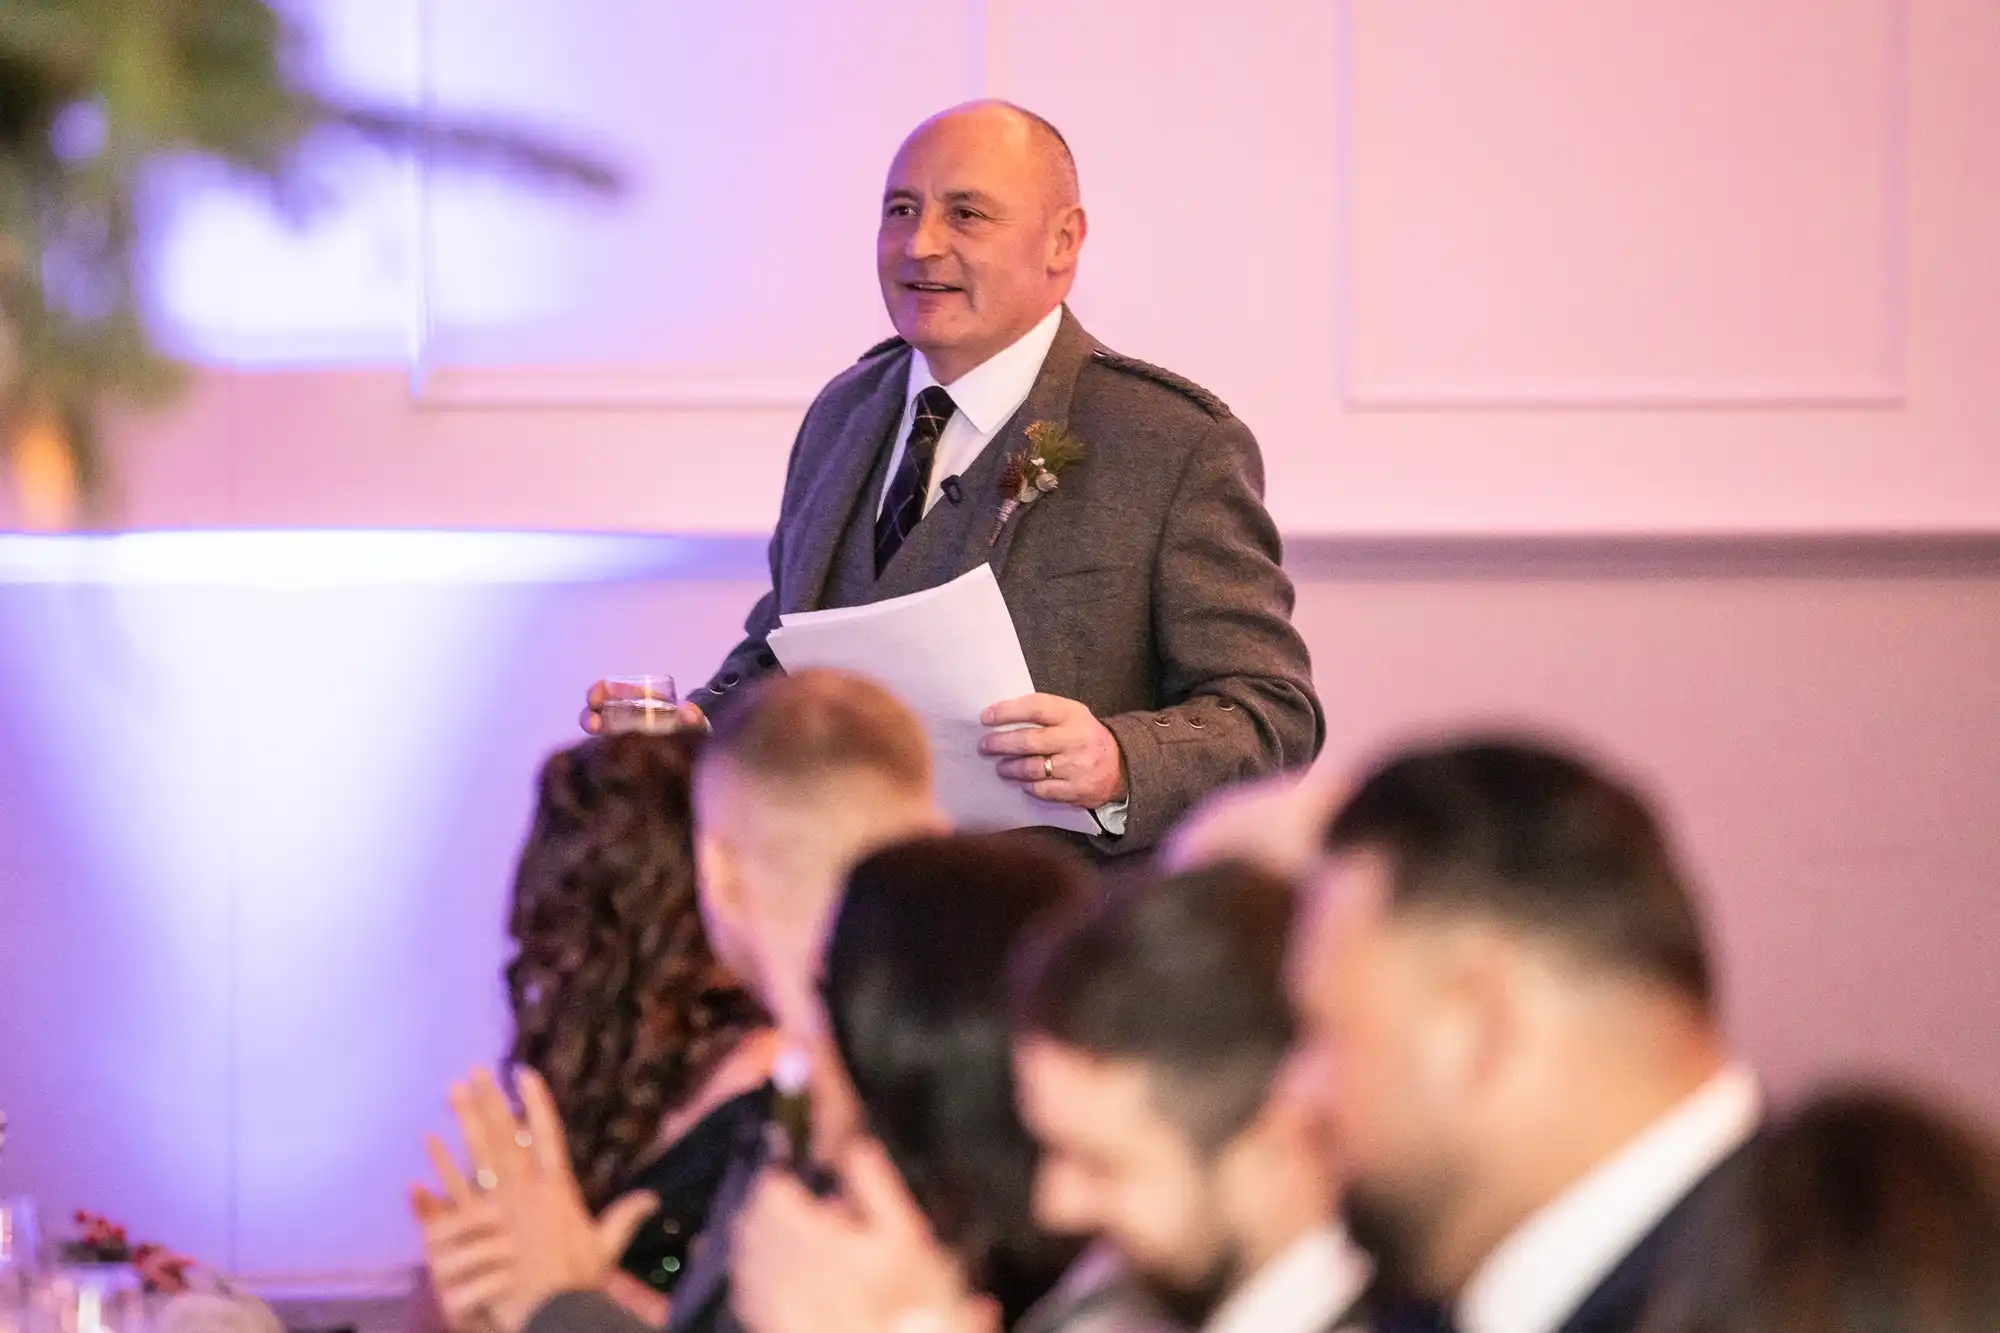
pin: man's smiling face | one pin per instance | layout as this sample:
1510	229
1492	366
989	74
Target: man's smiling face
977	240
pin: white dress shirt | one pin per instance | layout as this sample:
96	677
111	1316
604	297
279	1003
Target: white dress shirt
985	397
1543	1271
1316	1280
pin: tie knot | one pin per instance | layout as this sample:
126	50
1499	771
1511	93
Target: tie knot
934	409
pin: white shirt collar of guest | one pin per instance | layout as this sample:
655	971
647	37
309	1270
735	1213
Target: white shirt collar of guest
1313	1281
993	390
1550	1263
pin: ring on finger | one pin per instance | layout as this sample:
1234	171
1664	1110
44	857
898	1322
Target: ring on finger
1048	767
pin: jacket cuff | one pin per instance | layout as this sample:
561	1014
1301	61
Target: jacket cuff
1147	818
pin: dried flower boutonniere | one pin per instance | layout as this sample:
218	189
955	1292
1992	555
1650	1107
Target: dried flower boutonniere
1031	473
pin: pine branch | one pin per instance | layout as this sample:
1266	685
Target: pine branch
1056	445
92	94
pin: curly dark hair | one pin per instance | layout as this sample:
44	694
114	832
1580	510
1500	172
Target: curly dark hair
618	1000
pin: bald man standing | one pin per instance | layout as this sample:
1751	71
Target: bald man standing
1145	585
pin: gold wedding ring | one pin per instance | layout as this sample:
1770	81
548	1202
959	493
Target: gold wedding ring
1048	766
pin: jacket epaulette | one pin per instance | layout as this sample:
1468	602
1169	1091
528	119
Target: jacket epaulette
886	345
1146	370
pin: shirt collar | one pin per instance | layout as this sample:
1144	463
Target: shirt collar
1312	1282
991	391
1556	1258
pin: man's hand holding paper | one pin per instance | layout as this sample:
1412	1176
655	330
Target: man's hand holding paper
950	652
1057	749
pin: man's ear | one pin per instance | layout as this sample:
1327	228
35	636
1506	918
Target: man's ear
1279	1155
718	872
712	867
1066	239
1287	1130
1477	1004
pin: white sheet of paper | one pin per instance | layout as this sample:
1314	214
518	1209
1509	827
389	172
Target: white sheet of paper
948	652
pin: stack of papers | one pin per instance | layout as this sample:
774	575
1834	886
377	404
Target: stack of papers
949	653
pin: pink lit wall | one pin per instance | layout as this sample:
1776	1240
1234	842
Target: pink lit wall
1626	368
259	803
1522	267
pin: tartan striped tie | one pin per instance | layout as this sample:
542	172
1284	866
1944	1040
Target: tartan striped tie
903	507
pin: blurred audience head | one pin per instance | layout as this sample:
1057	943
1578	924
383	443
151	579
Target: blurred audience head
1278	823
1502	979
798	783
1149	1040
1858	1213
618	1001
915	991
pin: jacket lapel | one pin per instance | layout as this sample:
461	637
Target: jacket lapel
834	495
1619	1300
1049	401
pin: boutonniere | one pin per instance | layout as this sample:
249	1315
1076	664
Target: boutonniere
1031	472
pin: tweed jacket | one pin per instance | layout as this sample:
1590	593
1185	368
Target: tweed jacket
1147	586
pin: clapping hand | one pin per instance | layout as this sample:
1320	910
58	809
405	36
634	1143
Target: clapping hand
865	1262
503	1239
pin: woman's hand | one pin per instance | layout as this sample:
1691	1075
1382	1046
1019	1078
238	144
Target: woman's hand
502	1240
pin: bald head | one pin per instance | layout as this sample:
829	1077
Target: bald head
1024	132
981	229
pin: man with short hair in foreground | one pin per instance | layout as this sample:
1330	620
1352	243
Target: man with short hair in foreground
815	772
1278	823
1149	1043
1510	1026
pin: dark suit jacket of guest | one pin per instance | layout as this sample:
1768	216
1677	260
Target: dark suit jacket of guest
701	1301
1147	586
1617	1304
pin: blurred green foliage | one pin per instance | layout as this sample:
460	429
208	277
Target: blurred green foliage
93	93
